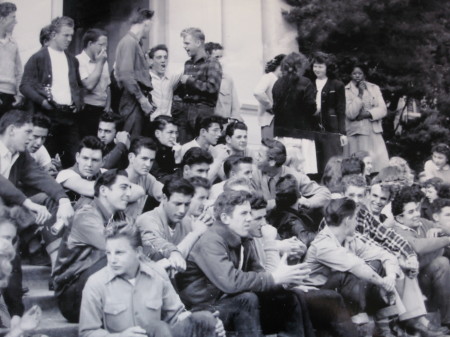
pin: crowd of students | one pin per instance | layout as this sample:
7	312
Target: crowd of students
158	219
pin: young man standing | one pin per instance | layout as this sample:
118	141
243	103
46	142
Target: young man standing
82	251
163	83
197	94
11	65
132	75
52	82
94	74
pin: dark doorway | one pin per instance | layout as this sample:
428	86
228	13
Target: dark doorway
109	15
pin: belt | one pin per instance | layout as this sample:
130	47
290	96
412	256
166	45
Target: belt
65	108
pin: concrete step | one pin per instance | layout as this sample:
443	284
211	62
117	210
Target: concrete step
44	298
35	277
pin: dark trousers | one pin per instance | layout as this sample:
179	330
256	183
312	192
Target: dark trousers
12	294
69	300
284	312
135	121
327	312
327	146
6	103
359	296
434	280
64	137
240	314
199	324
186	115
88	120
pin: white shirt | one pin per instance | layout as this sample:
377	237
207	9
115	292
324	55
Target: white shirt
98	95
263	93
60	83
162	93
42	157
7	160
319	85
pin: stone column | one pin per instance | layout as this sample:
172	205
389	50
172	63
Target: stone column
278	35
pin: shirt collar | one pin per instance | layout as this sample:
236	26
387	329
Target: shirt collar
144	268
155	75
202	57
84	55
4	150
409	229
103	211
232	239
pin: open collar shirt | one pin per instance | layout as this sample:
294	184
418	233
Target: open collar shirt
7	160
112	304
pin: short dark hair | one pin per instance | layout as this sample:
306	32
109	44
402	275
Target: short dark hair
152	51
59	22
123	229
211	46
45	35
274	63
140	15
6	8
196	33
200	182
207	122
107	179
228	200
233	126
353	180
439	204
18	118
337	210
287	192
42	121
142	142
92	35
258	201
273	144
160	123
195	156
433	182
443	149
111	117
233	161
328	59
406	195
352	165
178	185
444	191
91	142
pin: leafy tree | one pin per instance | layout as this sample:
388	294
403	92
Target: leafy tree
405	45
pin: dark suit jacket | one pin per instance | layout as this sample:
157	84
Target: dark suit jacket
332	114
38	74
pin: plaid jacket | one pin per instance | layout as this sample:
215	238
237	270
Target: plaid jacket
371	228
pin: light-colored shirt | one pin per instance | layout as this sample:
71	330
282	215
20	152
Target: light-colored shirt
162	93
319	85
263	93
111	304
157	237
61	92
42	157
98	95
326	254
152	187
7	160
11	70
431	171
186	147
228	101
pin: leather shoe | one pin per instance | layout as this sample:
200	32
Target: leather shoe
413	326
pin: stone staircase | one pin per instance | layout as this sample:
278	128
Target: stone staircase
53	324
